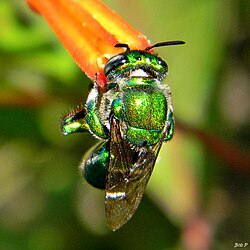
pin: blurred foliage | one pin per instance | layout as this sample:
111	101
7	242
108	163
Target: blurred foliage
195	199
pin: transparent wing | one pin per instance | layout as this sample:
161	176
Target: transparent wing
128	174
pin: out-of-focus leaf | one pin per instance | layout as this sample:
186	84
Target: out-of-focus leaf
174	185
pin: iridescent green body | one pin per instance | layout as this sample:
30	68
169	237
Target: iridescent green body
95	167
143	108
132	118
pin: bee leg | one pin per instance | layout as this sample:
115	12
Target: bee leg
92	116
86	118
75	121
94	166
170	126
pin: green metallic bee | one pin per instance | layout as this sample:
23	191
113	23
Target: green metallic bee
132	118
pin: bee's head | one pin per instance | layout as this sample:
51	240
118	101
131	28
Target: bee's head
137	63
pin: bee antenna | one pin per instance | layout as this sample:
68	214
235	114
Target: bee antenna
122	45
164	44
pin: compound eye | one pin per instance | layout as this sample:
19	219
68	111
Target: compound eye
162	63
114	62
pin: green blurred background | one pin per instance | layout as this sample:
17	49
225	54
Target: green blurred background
198	197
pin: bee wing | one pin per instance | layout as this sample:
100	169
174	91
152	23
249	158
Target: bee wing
128	174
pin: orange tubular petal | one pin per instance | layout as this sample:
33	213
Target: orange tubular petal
120	28
89	30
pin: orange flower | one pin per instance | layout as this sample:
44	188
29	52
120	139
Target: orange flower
89	30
